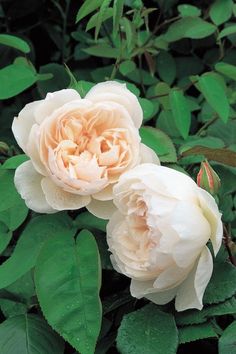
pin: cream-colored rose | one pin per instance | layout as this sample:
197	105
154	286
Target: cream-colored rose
78	148
159	234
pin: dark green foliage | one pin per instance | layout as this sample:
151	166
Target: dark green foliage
179	59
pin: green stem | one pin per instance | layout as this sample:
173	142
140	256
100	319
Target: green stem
206	125
115	68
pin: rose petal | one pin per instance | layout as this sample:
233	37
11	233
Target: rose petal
148	155
190	292
33	150
213	216
60	199
193	230
22	124
101	209
105	194
117	92
162	297
141	289
28	184
170	278
53	101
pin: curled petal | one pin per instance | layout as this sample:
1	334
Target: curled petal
190	293
148	155
211	212
117	92
33	150
53	101
22	124
141	289
105	194
60	199
28	184
101	209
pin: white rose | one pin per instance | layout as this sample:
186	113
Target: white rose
78	148
158	235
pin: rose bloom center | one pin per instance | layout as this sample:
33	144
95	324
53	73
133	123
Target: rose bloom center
88	146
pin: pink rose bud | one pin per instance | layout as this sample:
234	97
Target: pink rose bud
208	179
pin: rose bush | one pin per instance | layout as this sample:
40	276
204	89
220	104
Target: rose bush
78	148
159	234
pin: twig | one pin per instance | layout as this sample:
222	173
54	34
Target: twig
227	240
207	124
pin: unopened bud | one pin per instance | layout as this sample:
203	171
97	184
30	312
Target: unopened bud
3	148
208	179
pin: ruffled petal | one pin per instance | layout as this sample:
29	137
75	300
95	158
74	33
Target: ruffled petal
116	92
33	150
53	101
193	230
141	289
190	292
105	194
211	212
148	155
28	184
22	124
101	209
60	199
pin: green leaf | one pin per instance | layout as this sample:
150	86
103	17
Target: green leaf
227	31
225	156
102	50
226	69
13	162
67	277
226	132
181	112
166	123
142	76
162	90
159	142
101	16
190	317
227	343
29	245
5	236
14	79
9	195
129	30
14	42
11	308
83	87
194	140
147	331
186	10
196	332
59	81
15	215
147	107
189	27
221	11
222	285
22	289
166	67
127	67
89	221
215	95
108	13
28	334
117	14
88	7
227	176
